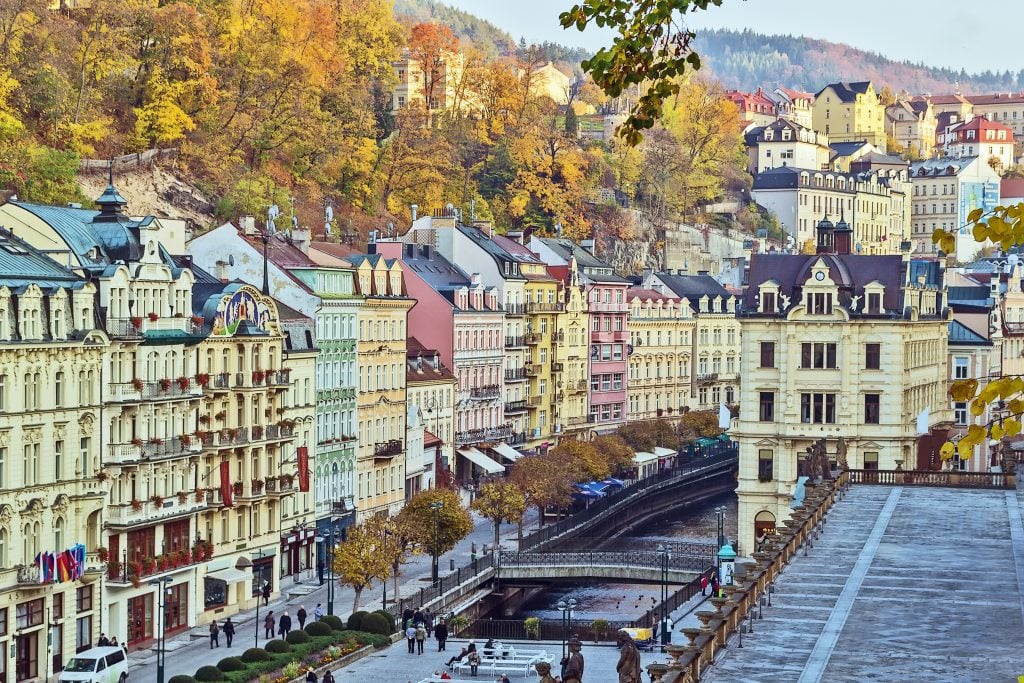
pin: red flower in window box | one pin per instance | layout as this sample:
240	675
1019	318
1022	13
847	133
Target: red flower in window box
200	495
182	498
137	323
136	504
236	488
103	553
208	549
203	379
137	384
257	486
183	383
165	384
258	375
157	500
153	317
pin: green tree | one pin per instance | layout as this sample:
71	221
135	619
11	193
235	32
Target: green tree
500	502
453	521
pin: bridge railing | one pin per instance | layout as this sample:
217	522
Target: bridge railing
550	629
598	507
974	480
429	595
628	558
676	600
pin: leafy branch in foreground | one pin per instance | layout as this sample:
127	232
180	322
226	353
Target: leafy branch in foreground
652	49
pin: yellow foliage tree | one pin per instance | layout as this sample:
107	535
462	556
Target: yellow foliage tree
500	502
359	559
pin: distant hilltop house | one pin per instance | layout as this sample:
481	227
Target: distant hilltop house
850	111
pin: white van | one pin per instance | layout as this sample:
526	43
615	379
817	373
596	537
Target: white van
98	665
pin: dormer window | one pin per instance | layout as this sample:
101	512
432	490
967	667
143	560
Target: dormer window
769	135
873	293
786	133
819	303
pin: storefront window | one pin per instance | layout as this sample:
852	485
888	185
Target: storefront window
262	572
215	593
26	656
83	634
29	614
176	608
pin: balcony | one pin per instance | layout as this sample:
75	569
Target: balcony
122	573
282	485
516	438
707	377
218	383
515	342
123	393
224	438
534	401
540	307
490	391
279	378
578	387
387	449
171	447
515	309
515	407
487	434
124	328
279	432
155	510
534	338
533	370
558	337
557	367
162	389
123	453
517	375
579	420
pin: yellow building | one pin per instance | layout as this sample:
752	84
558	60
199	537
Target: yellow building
850	111
571	354
430	391
380	366
911	124
52	481
543	309
445	83
661	332
836	346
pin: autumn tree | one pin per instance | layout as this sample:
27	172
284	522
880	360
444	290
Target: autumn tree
397	545
615	451
544	481
430	45
499	502
699	423
360	558
453	521
647	435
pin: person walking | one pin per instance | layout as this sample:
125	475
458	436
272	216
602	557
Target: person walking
229	630
266	593
214	633
417	616
410	638
428	621
421	637
320	571
318	612
328	677
284	625
268	625
441	634
301	614
310	676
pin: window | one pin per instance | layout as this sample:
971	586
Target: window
818	408
871	409
767	354
818	355
874	303
960	413
83	599
819	303
767	406
768	302
29	614
873	356
960	364
871	460
765	464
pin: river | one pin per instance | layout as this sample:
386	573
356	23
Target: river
625	602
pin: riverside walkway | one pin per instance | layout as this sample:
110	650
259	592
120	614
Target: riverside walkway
902	584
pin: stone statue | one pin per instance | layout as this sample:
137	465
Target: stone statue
841	454
544	671
572	670
629	659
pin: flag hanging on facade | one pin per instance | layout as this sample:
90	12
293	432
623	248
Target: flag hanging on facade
225	484
922	422
303	458
724	416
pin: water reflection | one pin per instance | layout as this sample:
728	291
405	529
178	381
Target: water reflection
626	602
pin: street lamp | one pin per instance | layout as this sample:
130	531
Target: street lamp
241	564
566	607
720	513
161	655
330	572
664	554
436	507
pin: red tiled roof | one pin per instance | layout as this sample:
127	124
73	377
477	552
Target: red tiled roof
997	98
425	372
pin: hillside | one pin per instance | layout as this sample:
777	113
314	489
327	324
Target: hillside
747	59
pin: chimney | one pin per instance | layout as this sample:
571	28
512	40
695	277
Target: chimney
414	208
371	248
588	246
300	238
474	279
515	236
426	251
222	271
248	225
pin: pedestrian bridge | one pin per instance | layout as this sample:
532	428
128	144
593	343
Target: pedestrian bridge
626	566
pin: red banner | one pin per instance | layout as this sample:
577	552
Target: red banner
225	484
303	454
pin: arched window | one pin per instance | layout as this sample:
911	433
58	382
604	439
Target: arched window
58	534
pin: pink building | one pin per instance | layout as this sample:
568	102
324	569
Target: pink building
462	319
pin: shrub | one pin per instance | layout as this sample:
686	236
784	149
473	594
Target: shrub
255	654
355	621
375	623
231	664
334	622
292	669
390	617
209	673
297	637
181	678
278	647
318	629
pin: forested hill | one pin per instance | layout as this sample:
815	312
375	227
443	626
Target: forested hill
747	59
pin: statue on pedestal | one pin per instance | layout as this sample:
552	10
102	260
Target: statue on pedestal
572	670
629	659
544	671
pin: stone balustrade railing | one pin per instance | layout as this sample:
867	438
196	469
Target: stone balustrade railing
751	583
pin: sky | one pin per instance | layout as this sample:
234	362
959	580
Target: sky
948	33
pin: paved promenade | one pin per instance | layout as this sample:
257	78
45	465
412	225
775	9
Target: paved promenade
905	584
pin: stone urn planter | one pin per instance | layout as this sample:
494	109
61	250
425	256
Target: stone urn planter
675	652
719	603
705	617
691	634
657	672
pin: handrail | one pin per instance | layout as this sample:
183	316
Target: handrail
951	478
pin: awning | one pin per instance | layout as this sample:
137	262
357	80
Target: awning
481	460
663	452
507	452
642	457
229	575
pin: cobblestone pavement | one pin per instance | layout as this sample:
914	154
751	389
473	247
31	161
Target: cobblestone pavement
904	584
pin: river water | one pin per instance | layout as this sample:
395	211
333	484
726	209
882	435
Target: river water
625	602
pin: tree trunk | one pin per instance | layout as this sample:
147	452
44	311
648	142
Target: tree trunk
355	603
519	532
395	586
497	534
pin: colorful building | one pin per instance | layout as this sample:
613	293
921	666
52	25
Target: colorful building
430	395
661	332
944	192
850	111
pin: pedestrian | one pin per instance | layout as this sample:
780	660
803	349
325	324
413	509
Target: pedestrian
474	662
417	616
103	641
266	593
704	584
113	642
328	677
214	633
320	571
268	625
445	676
428	621
284	625
301	614
318	612
310	676
410	638
421	636
441	634
472	645
229	630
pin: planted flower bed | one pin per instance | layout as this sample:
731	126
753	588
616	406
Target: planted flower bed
283	662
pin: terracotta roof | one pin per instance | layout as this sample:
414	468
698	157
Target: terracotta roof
420	360
996	98
796	94
1011	187
337	253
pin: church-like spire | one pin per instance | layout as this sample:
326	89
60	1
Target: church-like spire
111	203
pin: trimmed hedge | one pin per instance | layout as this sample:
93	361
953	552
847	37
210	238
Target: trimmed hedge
355	620
181	678
318	629
207	674
334	622
297	638
375	623
255	654
390	617
277	647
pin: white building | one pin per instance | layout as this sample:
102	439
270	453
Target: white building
944	192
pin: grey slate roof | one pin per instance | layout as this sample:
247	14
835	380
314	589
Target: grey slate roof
846	91
693	287
594	268
960	334
22	265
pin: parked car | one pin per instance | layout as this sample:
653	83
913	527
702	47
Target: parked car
98	665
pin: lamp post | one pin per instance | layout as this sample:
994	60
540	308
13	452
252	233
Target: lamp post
436	507
161	585
566	607
330	572
664	554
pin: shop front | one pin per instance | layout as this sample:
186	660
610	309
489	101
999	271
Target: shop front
297	551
